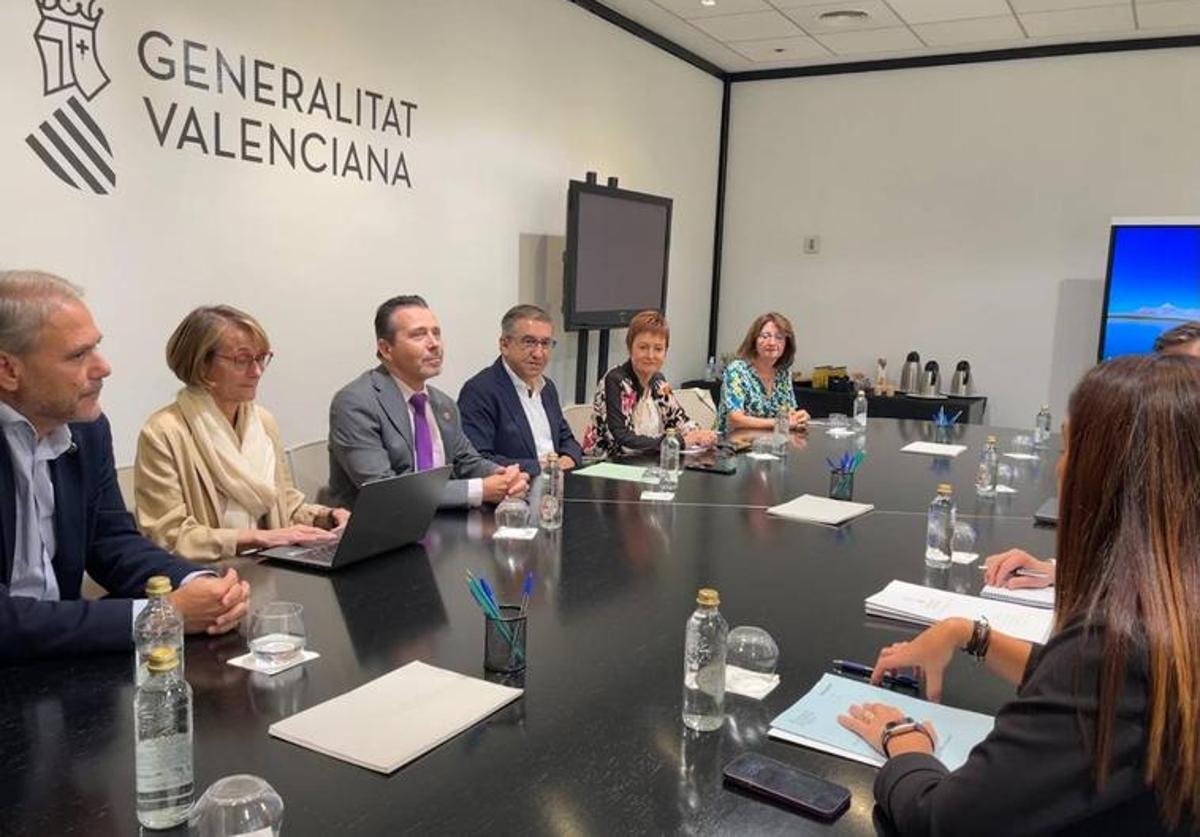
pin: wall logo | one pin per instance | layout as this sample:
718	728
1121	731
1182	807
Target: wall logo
70	142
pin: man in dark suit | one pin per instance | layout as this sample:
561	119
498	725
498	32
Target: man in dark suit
389	421
510	410
60	509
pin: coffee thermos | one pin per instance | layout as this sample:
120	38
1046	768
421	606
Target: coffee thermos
910	373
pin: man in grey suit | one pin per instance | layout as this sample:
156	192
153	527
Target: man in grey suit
388	421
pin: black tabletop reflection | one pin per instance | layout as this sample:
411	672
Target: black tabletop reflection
596	745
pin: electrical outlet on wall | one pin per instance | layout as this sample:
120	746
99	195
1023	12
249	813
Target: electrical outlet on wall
812	245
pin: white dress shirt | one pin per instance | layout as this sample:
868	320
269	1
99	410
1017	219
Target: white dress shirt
475	484
535	412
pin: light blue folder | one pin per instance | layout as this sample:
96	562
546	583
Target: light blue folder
812	722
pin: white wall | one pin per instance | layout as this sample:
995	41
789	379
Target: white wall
514	99
958	207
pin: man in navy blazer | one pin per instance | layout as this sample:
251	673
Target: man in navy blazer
61	511
510	410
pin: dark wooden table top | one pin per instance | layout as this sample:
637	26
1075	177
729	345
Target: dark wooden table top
596	745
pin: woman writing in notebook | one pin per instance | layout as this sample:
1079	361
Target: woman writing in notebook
1103	736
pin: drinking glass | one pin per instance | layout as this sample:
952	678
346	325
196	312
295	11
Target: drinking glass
277	633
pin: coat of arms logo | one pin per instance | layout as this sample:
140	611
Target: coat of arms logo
70	142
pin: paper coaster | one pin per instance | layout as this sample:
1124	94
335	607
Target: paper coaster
1005	489
658	496
1022	456
752	684
762	457
248	662
511	533
964	557
840	431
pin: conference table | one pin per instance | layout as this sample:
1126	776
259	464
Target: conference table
595	746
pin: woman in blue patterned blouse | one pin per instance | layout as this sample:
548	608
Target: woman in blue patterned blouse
759	383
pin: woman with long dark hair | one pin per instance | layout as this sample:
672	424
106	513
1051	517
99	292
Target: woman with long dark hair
1104	734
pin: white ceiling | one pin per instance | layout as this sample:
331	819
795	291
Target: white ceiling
744	35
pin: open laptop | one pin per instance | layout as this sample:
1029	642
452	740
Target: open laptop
1047	512
388	514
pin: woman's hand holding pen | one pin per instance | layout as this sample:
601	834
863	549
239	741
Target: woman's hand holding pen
931	651
1016	568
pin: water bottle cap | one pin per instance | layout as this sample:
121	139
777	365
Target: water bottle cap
162	659
991	440
945	488
670	431
860	392
158	585
708	596
1046	407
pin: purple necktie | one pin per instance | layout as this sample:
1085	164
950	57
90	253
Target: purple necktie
421	431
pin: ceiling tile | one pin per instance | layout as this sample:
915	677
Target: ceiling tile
1078	21
679	31
781	49
881	17
978	31
930	11
1168	15
690	9
899	39
748	27
1020	6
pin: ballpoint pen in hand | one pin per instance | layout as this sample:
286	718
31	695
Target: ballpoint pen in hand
863	670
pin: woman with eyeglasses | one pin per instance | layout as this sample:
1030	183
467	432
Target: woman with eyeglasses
211	478
758	384
1103	733
634	406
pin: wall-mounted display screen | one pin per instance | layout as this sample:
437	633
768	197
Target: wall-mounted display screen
1153	282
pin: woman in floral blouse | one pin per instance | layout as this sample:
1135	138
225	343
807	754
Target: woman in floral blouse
634	407
759	383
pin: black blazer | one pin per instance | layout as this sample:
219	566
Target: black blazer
95	532
1034	772
495	422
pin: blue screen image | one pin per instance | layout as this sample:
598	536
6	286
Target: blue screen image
1153	286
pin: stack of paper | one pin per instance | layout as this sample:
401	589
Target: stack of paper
927	605
812	722
933	449
1042	597
392	720
614	471
813	509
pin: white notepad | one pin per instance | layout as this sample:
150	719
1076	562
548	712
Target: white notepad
1042	597
933	449
811	508
926	605
386	723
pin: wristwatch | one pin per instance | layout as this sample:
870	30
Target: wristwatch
902	727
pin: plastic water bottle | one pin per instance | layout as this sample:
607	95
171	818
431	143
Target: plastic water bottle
162	722
939	537
1041	430
704	646
860	409
670	459
989	466
710	370
159	625
783	429
550	503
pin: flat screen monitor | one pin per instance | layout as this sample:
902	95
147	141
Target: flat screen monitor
1153	282
616	255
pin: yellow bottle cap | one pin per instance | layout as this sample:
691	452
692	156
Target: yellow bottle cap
708	596
158	585
945	488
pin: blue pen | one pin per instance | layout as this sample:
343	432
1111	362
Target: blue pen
863	670
487	591
526	592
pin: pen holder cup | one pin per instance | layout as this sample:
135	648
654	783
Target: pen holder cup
841	485
504	640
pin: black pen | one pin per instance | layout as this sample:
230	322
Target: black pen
862	670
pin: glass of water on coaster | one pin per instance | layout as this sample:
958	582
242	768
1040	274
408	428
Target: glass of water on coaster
277	634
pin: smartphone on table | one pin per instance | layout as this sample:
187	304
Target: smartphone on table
788	785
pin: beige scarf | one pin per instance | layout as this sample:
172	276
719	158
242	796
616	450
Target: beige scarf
244	469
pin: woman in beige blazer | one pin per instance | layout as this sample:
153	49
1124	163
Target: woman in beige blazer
211	478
